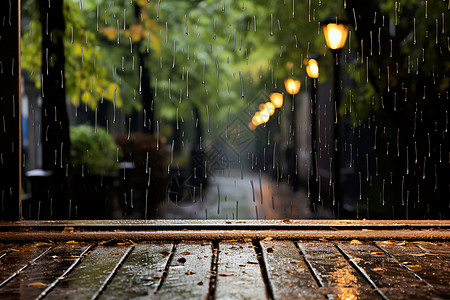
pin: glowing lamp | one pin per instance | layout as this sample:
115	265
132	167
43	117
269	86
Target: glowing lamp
276	99
269	107
256	120
292	86
312	69
335	35
264	115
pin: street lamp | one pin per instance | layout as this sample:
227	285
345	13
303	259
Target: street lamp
292	87
277	99
312	69
335	35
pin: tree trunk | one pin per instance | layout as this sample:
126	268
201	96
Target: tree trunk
55	124
145	88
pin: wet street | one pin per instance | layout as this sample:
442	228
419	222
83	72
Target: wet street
243	197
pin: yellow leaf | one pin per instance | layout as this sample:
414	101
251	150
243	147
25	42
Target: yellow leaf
378	269
355	242
71	242
36	284
67	229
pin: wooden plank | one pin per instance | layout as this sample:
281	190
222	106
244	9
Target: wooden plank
91	276
18	259
233	224
440	249
34	279
390	279
238	272
188	274
333	273
287	271
224	234
6	248
432	270
141	273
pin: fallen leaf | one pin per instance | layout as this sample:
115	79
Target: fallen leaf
241	265
414	266
421	254
36	284
38	244
116	253
298	262
252	262
268	238
181	260
121	244
287	220
185	253
200	283
189	273
68	230
225	274
378	269
355	242
157	277
71	242
377	253
165	252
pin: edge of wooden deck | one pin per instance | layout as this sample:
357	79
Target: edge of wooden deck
229	224
214	230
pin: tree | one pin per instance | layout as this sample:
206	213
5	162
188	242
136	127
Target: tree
407	67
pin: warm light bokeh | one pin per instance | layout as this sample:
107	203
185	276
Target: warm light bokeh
312	69
277	99
269	107
292	86
264	115
335	35
256	120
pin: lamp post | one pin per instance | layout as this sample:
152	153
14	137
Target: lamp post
292	88
312	69
335	35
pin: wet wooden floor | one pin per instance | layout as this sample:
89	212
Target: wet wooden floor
246	269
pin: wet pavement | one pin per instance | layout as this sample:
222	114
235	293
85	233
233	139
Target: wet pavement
243	196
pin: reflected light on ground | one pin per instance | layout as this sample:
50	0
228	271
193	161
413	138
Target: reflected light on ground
346	283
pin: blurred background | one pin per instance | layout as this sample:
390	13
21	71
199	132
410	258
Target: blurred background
222	109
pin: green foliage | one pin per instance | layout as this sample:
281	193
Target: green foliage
93	149
88	78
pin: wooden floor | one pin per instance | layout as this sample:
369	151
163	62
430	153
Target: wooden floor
246	269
